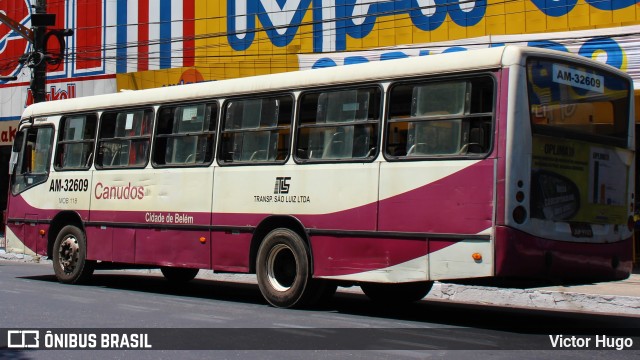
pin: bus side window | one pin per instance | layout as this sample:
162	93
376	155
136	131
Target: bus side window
442	118
339	125
256	130
76	137
185	135
124	138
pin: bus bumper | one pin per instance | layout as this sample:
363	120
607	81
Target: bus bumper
521	255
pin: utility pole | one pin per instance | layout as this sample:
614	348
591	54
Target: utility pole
39	73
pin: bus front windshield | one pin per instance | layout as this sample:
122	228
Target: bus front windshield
578	102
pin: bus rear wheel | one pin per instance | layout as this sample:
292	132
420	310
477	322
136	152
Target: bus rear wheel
284	272
70	262
179	275
397	293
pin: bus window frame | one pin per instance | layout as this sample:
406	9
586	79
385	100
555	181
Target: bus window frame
465	116
150	136
214	132
222	112
379	122
94	141
47	173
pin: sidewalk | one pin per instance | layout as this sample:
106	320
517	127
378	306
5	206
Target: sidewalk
616	297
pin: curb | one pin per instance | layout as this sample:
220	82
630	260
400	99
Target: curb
469	294
23	257
536	299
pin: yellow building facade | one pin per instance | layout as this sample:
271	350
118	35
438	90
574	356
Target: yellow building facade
237	38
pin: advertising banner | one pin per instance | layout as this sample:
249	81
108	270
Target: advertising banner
613	46
579	182
160	78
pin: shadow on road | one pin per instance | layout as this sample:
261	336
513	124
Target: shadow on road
528	321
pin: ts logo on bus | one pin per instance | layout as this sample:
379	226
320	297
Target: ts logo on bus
12	45
282	186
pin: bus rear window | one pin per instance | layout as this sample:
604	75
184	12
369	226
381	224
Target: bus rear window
578	102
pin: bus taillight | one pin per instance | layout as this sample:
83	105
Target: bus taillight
519	214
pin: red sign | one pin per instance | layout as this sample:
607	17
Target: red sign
54	94
12	45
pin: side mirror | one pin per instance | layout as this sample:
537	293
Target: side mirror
15	150
17	142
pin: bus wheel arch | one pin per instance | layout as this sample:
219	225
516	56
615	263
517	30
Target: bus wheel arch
269	224
61	220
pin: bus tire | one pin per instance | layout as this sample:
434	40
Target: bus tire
397	293
283	270
70	262
179	275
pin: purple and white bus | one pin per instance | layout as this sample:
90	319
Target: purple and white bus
507	162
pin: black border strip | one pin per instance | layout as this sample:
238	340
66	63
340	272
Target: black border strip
251	229
396	234
27	221
242	229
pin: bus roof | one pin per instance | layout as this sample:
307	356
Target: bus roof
489	58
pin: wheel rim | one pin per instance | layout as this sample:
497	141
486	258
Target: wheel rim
68	254
281	267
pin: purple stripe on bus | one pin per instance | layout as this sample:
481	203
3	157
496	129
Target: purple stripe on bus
345	256
461	203
468	210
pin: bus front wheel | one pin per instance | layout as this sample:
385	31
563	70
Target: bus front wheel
70	262
283	269
397	293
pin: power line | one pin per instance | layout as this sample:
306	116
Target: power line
81	53
109	47
309	23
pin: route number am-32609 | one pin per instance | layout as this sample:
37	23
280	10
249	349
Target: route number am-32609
578	78
69	185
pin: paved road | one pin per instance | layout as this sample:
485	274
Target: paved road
30	297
